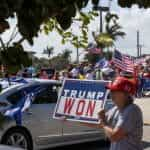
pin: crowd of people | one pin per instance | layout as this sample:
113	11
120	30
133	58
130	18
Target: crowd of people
103	70
89	71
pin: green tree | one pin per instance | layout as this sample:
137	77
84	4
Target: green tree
14	57
129	3
112	26
77	39
32	14
66	54
60	61
112	32
91	58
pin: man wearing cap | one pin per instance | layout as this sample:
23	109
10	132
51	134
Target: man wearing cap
123	124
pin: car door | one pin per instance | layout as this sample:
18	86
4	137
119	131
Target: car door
75	131
44	128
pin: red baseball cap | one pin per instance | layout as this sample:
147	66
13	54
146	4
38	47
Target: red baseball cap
122	84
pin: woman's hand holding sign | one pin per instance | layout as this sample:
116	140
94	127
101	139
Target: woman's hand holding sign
101	115
102	118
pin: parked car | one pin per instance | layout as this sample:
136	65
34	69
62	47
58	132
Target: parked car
5	83
38	129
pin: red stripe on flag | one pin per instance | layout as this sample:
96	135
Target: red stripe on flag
125	63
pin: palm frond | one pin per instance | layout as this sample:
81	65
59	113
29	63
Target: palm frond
118	34
48	51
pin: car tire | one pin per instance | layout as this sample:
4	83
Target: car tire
18	137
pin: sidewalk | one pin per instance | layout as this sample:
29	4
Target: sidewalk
146	138
144	104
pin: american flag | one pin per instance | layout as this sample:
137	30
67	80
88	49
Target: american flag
95	50
139	61
123	62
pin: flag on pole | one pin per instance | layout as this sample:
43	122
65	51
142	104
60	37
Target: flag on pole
123	62
102	63
139	61
15	111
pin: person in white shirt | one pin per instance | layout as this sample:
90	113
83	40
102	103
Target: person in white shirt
75	72
89	75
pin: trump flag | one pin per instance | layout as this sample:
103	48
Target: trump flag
81	100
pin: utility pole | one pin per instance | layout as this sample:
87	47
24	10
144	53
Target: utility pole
101	21
138	43
77	54
140	50
101	9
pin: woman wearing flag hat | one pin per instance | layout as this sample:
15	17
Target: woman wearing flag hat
123	124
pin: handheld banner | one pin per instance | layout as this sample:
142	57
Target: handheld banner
81	100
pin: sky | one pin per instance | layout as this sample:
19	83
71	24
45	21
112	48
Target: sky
130	19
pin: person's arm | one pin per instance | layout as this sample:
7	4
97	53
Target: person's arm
91	125
124	126
114	134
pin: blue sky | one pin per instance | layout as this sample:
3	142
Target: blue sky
130	19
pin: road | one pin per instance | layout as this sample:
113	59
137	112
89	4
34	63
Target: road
101	146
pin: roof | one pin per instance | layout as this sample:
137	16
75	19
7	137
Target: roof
18	87
44	81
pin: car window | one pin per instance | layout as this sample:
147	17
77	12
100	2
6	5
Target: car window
15	97
30	88
48	95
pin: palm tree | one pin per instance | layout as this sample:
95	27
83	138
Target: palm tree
112	32
66	54
112	27
49	51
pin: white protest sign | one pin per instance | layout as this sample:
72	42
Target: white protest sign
81	100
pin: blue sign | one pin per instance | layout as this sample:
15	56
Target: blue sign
81	100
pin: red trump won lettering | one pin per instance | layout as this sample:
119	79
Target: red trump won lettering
91	108
68	105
